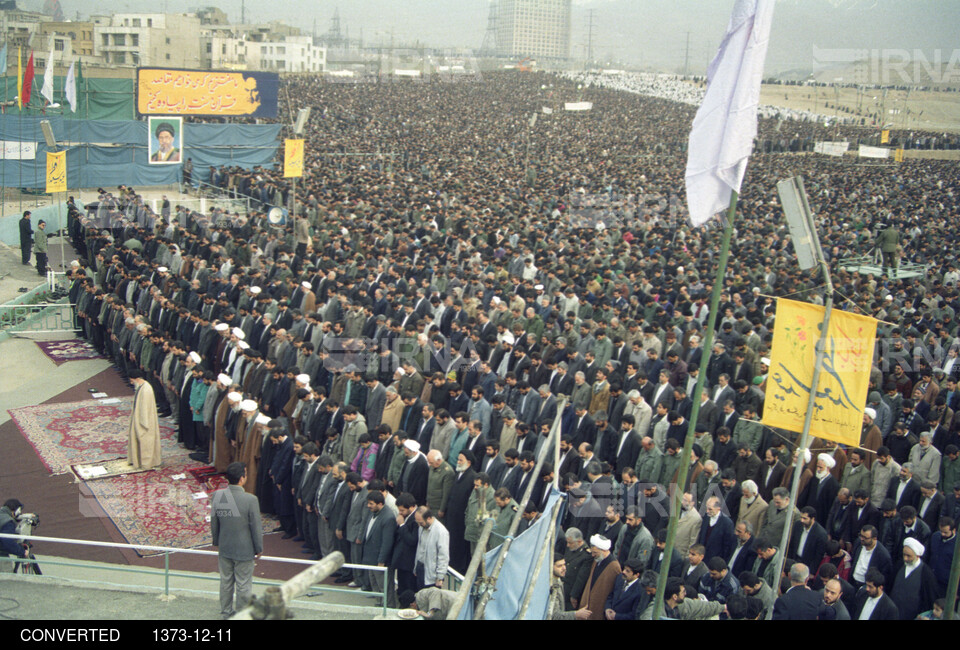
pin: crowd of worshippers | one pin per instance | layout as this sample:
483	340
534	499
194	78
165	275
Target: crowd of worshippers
414	331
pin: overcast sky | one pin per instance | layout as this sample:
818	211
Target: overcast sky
638	32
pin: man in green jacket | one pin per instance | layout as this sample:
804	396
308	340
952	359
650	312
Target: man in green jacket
480	507
887	242
507	509
40	247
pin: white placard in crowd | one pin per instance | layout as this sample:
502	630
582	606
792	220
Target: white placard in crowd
547	110
578	106
16	150
874	152
831	148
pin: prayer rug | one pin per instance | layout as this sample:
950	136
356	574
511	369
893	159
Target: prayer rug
76	433
69	350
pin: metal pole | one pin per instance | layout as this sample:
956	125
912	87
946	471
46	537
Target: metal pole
166	575
505	547
464	592
548	544
818	362
676	497
951	608
291	589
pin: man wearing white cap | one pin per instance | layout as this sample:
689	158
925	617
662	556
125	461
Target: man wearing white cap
309	303
871	437
215	395
249	440
186	431
600	581
415	472
225	427
822	488
915	586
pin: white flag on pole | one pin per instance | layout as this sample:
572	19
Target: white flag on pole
70	88
47	89
726	123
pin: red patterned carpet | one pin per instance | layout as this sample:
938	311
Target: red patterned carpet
71	433
156	508
69	350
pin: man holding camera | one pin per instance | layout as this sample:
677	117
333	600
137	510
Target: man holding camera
9	516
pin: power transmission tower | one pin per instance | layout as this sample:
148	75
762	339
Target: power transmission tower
489	45
590	40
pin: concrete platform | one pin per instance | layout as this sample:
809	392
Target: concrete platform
59	599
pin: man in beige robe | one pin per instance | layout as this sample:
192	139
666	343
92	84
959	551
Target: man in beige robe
143	440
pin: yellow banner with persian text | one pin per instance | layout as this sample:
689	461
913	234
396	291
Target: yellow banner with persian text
844	377
292	158
56	172
884	136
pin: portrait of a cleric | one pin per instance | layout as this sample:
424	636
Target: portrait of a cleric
163	144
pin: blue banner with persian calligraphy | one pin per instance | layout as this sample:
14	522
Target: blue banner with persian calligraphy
844	377
220	93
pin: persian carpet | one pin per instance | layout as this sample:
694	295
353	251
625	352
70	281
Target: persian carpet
69	350
159	508
74	433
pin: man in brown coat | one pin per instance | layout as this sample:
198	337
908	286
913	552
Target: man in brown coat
223	452
603	575
872	437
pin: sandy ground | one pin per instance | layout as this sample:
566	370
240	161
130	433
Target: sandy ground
940	110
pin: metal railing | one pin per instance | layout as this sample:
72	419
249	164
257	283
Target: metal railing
39	318
168	573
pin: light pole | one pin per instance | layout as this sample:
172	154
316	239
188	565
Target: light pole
51	141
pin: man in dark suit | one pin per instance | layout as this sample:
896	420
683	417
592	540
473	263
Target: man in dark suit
281	474
861	514
931	503
871	603
454	516
906	491
238	533
770	474
492	463
656	558
627	448
808	541
879	557
622	600
716	531
744	555
800	603
377	542
404	554
306	495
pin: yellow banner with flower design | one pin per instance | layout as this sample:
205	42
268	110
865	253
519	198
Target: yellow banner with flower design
844	377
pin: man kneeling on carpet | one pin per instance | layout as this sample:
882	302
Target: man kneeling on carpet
143	443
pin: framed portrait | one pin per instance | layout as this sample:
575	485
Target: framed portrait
166	140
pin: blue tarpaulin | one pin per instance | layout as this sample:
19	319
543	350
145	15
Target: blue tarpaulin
517	573
110	153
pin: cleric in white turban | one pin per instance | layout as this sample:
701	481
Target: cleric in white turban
600	582
914	586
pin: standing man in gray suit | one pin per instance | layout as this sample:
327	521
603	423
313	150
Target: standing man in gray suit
238	534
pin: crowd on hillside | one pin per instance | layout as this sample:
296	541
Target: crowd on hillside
456	277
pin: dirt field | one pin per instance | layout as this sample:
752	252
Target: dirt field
940	110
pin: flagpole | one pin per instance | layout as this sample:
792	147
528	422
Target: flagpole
811	402
677	495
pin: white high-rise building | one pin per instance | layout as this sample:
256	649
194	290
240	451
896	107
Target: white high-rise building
534	28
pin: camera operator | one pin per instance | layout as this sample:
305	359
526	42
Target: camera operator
9	515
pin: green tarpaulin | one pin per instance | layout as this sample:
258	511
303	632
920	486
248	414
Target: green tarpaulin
97	99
